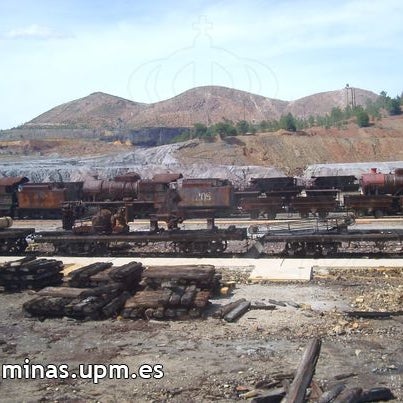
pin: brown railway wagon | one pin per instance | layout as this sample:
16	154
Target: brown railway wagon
41	200
376	205
268	206
320	205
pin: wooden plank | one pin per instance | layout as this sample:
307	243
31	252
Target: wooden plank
304	373
332	393
223	310
237	312
376	395
373	314
65	292
351	395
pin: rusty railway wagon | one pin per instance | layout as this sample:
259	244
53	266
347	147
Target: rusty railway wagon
381	194
302	238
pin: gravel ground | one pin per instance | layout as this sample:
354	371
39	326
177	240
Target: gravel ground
212	360
209	359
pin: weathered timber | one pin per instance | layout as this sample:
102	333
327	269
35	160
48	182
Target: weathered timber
30	274
263	307
237	312
189	295
373	314
332	393
201	299
88	307
275	302
351	395
200	275
132	270
149	299
293	304
376	395
46	306
223	310
81	276
65	292
272	396
18	262
339	377
114	306
175	298
304	373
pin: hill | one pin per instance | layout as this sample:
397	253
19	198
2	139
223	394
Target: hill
208	105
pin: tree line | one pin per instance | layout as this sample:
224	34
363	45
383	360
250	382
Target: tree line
338	117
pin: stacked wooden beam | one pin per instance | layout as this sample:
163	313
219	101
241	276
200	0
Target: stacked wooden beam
30	273
100	274
100	292
174	292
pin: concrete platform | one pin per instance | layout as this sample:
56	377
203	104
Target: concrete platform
261	269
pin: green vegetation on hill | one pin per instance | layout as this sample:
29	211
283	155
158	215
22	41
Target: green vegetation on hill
373	110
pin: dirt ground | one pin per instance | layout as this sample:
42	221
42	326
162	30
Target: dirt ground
209	359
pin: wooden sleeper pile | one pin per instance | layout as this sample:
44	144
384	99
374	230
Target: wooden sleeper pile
30	273
173	292
104	292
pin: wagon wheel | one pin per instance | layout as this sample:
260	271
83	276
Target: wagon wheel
378	213
271	215
16	246
380	245
322	214
217	246
295	249
141	244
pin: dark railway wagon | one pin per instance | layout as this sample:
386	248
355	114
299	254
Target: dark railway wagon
377	205
344	183
9	188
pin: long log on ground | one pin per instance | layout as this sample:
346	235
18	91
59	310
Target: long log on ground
223	310
237	312
376	395
351	395
373	314
304	373
332	393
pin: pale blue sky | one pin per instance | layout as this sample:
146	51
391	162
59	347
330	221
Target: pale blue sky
54	51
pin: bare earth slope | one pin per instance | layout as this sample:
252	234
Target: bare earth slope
234	157
292	152
207	105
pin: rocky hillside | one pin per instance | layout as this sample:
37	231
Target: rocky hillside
236	158
206	105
